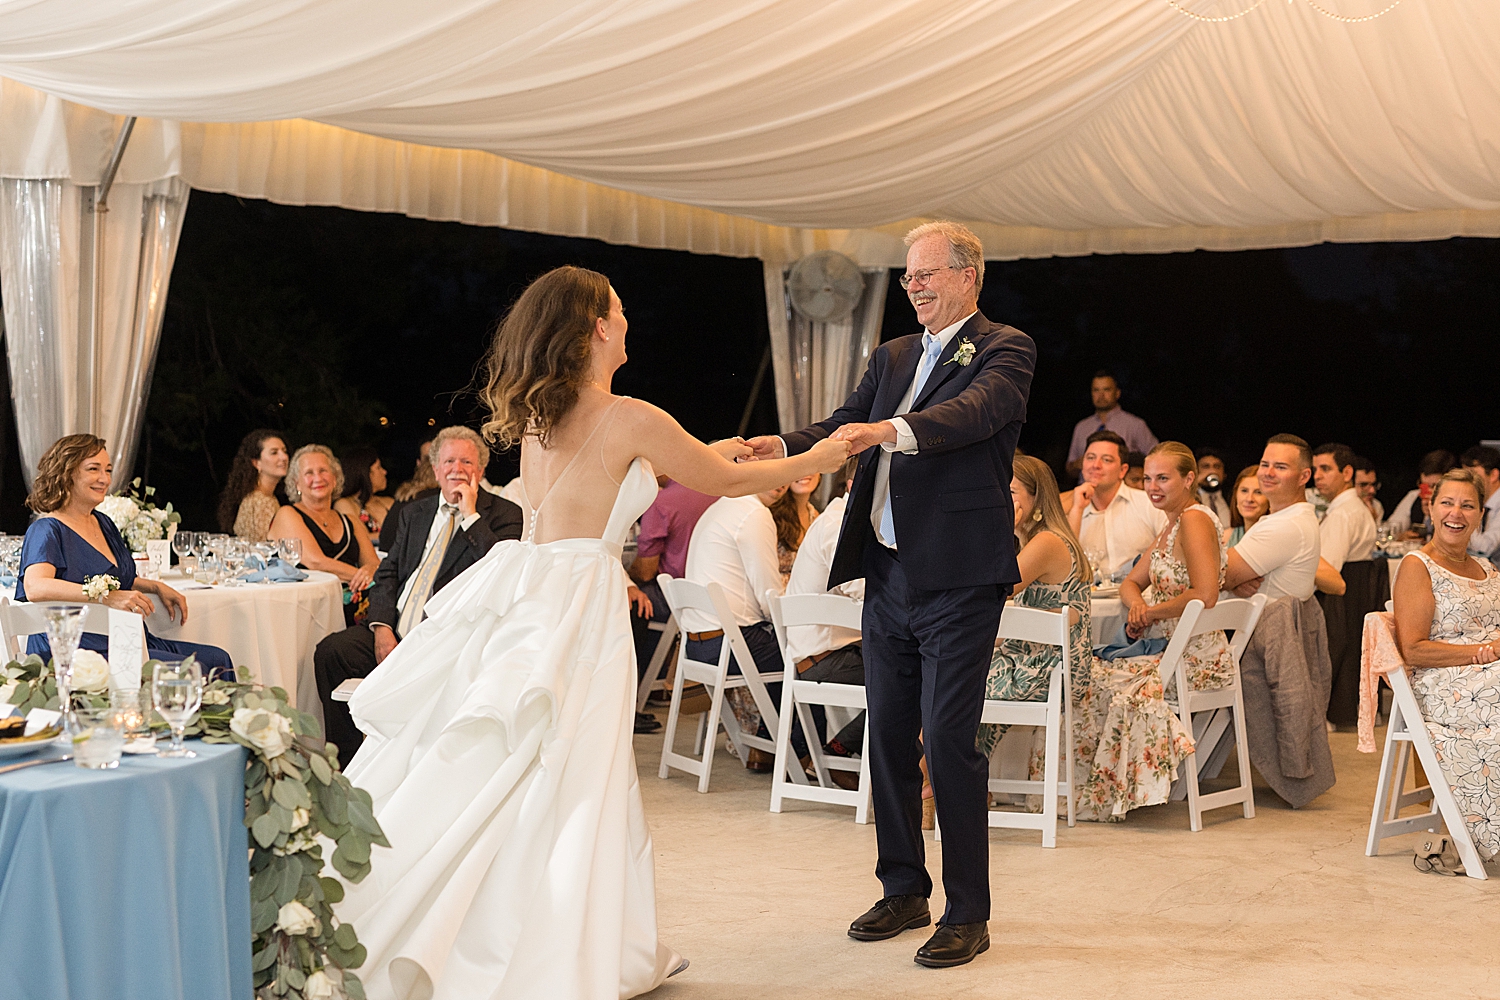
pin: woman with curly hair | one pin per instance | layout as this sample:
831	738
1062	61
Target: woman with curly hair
499	731
71	544
249	500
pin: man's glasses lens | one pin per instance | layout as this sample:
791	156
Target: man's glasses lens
920	277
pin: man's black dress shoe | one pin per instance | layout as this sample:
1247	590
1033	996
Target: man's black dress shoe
954	944
890	917
646	723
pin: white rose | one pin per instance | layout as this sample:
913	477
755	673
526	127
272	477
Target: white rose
215	696
90	672
300	818
296	844
318	987
268	732
295	918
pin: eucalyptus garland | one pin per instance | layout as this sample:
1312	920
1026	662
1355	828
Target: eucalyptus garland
296	799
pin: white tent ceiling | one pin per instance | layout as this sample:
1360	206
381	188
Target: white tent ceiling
766	127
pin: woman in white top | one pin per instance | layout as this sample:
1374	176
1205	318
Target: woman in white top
1447	606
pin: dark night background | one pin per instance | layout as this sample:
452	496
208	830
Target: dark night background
349	328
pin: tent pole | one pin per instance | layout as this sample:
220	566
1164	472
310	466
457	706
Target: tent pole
96	278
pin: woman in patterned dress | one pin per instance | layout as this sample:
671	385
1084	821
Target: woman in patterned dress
1447	606
1054	575
1129	740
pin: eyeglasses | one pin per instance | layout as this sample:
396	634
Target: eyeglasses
923	277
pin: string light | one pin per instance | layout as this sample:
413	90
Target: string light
1177	6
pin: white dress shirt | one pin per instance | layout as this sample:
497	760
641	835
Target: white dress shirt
734	545
1347	532
1284	548
810	576
1401	519
1124	529
463	524
1487	542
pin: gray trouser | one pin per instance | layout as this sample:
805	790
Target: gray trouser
845	665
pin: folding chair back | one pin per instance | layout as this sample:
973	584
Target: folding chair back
797	697
125	630
1214	710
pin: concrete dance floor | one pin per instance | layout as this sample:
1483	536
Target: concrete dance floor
1284	905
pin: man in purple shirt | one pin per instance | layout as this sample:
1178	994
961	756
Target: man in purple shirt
1108	415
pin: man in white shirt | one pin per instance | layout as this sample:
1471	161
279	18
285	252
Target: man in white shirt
1109	516
1486	461
1347	531
1279	555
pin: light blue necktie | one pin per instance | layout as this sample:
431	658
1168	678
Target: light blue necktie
932	347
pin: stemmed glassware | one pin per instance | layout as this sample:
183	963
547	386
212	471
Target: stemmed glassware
182	544
291	550
64	629
177	690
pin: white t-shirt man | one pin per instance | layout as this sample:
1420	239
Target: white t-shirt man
734	545
1347	531
1124	529
810	576
1284	548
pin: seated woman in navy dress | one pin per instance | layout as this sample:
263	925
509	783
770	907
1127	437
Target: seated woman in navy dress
70	542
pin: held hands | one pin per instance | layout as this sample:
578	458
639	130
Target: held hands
736	449
831	452
766	446
862	436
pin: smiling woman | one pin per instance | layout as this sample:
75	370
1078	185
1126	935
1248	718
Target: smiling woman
331	541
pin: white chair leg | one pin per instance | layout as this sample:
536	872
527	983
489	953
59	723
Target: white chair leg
674	712
1049	778
1067	738
711	733
658	663
783	745
1392	764
1241	737
1190	776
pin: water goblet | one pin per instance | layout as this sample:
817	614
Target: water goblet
291	550
234	565
64	629
177	691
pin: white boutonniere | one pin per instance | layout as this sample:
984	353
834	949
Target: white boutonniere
963	355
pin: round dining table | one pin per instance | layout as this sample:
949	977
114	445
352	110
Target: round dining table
269	629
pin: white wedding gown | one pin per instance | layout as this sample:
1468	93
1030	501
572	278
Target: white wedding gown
499	756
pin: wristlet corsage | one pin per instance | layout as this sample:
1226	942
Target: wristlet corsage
97	588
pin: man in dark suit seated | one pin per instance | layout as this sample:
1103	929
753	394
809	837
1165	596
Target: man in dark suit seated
437	538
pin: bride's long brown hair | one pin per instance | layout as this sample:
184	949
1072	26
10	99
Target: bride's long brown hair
540	358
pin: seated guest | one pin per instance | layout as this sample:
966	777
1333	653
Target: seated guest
1105	514
793	513
825	653
70	543
1447	609
1409	517
1135	473
1279	556
421	485
249	500
1108	415
1128	738
1485	463
1055	576
331	542
1250	505
1367	484
438	537
734	545
364	481
1211	474
1346	533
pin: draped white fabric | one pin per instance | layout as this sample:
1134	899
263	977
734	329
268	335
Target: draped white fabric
1054	126
61	383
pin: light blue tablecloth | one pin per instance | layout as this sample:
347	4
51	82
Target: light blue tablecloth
130	884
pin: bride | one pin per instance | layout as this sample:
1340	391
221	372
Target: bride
498	747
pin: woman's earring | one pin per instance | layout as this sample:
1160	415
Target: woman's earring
1036	515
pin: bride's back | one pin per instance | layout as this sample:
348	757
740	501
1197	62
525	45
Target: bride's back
570	485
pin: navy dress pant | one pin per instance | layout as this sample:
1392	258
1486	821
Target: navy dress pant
927	654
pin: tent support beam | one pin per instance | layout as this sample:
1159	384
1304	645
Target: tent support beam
96	274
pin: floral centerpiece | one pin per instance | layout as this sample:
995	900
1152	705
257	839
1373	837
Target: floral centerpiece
137	516
296	801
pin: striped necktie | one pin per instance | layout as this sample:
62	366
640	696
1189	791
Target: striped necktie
421	585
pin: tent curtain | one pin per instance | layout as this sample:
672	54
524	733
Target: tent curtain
60	383
817	365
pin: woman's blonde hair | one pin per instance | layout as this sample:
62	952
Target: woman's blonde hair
1037	477
294	471
1187	465
54	473
1468	477
540	357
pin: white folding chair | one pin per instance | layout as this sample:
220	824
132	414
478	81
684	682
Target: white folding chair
709	601
1207	714
18	619
797	697
652	681
1405	734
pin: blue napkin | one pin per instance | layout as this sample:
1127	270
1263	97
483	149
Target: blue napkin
1121	645
277	572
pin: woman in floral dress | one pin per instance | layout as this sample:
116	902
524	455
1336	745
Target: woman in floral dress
1054	575
1447	606
1129	741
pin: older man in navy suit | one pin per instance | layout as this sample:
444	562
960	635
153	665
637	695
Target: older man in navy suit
928	525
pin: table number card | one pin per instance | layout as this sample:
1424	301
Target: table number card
159	551
127	649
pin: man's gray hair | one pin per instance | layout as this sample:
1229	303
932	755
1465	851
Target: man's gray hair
460	433
964	248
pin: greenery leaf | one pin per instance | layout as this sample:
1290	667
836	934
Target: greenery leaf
262	915
346	937
265	829
353	988
333	890
320	769
264	959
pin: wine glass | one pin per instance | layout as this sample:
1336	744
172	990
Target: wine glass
291	550
64	629
177	690
234	565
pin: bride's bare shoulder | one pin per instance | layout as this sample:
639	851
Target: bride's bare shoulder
640	415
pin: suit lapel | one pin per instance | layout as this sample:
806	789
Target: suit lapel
944	370
903	370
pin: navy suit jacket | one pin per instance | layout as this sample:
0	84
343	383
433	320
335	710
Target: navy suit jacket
951	500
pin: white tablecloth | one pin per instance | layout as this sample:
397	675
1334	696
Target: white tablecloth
269	629
1106	615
